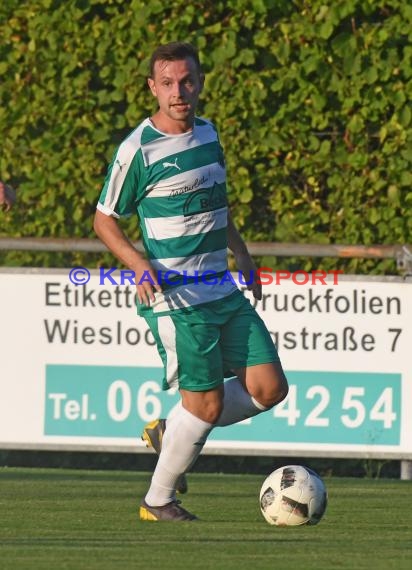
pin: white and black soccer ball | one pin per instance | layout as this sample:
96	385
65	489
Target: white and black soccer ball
293	495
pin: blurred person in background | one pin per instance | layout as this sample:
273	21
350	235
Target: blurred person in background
7	196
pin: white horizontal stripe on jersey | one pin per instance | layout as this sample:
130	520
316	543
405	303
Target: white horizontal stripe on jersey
188	181
178	226
215	261
171	145
191	295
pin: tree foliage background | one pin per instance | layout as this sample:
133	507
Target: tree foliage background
312	100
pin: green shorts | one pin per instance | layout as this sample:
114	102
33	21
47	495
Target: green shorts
199	344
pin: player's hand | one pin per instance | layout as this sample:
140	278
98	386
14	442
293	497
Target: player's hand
146	282
248	269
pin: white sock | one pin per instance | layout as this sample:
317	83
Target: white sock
182	443
238	404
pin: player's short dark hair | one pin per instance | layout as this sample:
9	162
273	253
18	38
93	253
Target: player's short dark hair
172	52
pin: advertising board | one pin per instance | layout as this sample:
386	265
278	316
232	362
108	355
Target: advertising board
79	369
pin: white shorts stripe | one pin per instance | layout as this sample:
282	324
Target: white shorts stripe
167	334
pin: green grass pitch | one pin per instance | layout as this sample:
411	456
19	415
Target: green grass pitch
87	520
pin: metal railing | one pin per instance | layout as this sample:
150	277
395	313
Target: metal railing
402	254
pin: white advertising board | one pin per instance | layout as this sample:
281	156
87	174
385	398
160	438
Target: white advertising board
79	369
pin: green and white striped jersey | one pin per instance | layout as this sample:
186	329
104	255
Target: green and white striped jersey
177	186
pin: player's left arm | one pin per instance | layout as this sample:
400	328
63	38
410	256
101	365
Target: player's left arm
244	262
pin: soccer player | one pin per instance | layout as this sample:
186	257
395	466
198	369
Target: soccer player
7	196
170	171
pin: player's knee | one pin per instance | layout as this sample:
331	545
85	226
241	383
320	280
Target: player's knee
207	411
211	414
275	392
281	393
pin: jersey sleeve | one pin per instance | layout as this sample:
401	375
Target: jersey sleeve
120	191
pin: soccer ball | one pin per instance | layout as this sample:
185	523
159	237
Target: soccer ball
293	495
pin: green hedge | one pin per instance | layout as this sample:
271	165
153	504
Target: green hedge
312	99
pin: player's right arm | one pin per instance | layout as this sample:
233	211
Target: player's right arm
124	182
108	230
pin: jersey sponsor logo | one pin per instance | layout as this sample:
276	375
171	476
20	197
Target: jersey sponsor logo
200	181
197	220
172	165
205	200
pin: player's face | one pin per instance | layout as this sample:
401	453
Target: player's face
176	86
